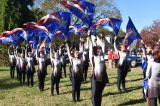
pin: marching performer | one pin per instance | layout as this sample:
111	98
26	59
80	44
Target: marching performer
30	69
12	59
56	70
41	57
76	72
99	76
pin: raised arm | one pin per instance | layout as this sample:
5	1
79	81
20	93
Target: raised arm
68	52
148	72
51	54
144	49
103	45
9	50
115	45
37	56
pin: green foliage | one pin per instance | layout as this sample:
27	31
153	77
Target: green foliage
4	59
13	14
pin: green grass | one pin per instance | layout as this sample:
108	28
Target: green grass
12	93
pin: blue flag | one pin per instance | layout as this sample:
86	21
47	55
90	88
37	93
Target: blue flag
57	21
144	65
131	28
114	23
145	86
5	38
82	9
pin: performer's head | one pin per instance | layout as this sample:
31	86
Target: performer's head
22	55
97	50
41	54
156	53
122	48
29	54
76	54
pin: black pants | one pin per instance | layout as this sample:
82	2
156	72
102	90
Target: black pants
116	62
76	85
153	101
97	89
12	68
22	75
121	78
55	80
64	69
85	70
30	75
41	78
17	70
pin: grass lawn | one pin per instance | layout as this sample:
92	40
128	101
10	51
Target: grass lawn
12	93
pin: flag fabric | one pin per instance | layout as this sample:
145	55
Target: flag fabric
5	37
77	29
57	21
82	9
114	23
145	86
130	28
41	31
144	64
88	7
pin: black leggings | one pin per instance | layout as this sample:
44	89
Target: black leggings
41	78
55	80
76	85
85	70
17	70
22	75
121	78
97	89
64	68
12	68
30	75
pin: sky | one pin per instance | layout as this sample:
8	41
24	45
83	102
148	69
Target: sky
142	12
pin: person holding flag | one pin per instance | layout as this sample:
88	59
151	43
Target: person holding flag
98	75
76	71
123	66
56	65
41	57
12	59
30	69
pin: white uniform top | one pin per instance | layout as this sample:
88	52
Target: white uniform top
41	63
99	67
77	65
57	66
29	62
22	62
11	58
122	57
17	60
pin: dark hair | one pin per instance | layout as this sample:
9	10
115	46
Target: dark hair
95	49
156	54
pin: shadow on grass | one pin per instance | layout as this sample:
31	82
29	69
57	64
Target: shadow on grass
127	91
86	89
7	84
132	102
4	69
134	80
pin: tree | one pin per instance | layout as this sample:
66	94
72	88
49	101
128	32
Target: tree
151	34
104	8
14	13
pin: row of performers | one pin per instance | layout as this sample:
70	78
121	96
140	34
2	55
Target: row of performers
79	63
